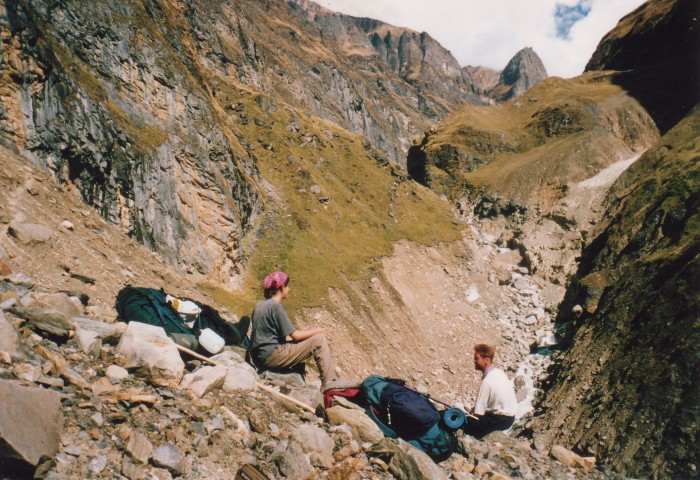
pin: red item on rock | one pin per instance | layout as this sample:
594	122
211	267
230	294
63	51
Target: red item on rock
349	393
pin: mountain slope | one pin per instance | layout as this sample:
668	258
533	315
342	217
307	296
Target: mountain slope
382	82
627	388
526	150
656	49
153	113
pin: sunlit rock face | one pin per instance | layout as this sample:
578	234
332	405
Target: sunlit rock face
94	94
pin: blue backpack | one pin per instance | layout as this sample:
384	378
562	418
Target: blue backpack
401	412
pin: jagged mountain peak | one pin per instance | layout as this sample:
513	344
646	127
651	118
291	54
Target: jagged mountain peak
525	65
523	71
416	57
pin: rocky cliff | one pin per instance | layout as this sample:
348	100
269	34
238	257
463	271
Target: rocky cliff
403	69
655	49
127	106
94	94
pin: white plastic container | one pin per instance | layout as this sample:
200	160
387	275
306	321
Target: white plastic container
211	341
183	307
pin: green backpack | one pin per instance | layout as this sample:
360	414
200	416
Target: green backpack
400	411
148	305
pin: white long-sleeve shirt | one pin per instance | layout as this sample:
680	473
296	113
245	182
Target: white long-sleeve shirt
496	394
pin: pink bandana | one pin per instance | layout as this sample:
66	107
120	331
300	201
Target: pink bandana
274	280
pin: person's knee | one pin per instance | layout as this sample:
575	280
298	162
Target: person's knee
318	340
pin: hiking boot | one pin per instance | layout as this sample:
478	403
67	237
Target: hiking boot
341	384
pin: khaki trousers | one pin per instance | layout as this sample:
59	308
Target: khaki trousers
288	355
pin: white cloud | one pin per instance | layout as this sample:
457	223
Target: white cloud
490	33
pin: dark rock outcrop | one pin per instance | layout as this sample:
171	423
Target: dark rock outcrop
656	50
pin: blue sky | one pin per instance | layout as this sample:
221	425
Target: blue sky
566	16
564	33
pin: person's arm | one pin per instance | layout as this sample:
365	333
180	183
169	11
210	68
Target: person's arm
299	335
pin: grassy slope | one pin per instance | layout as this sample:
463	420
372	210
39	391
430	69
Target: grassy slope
525	144
324	244
319	245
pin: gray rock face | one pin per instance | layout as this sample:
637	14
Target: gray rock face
30	422
524	71
73	126
408	63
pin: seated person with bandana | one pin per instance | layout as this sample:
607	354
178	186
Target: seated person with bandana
277	344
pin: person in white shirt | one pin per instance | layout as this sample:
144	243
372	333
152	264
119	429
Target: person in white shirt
495	403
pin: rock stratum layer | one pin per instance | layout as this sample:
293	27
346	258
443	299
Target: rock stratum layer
94	93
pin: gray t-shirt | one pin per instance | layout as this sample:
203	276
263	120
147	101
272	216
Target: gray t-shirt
271	326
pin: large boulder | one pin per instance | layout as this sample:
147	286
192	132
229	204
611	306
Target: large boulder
149	350
204	380
292	461
239	374
47	320
58	301
317	443
31	421
91	333
363	428
29	233
406	462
